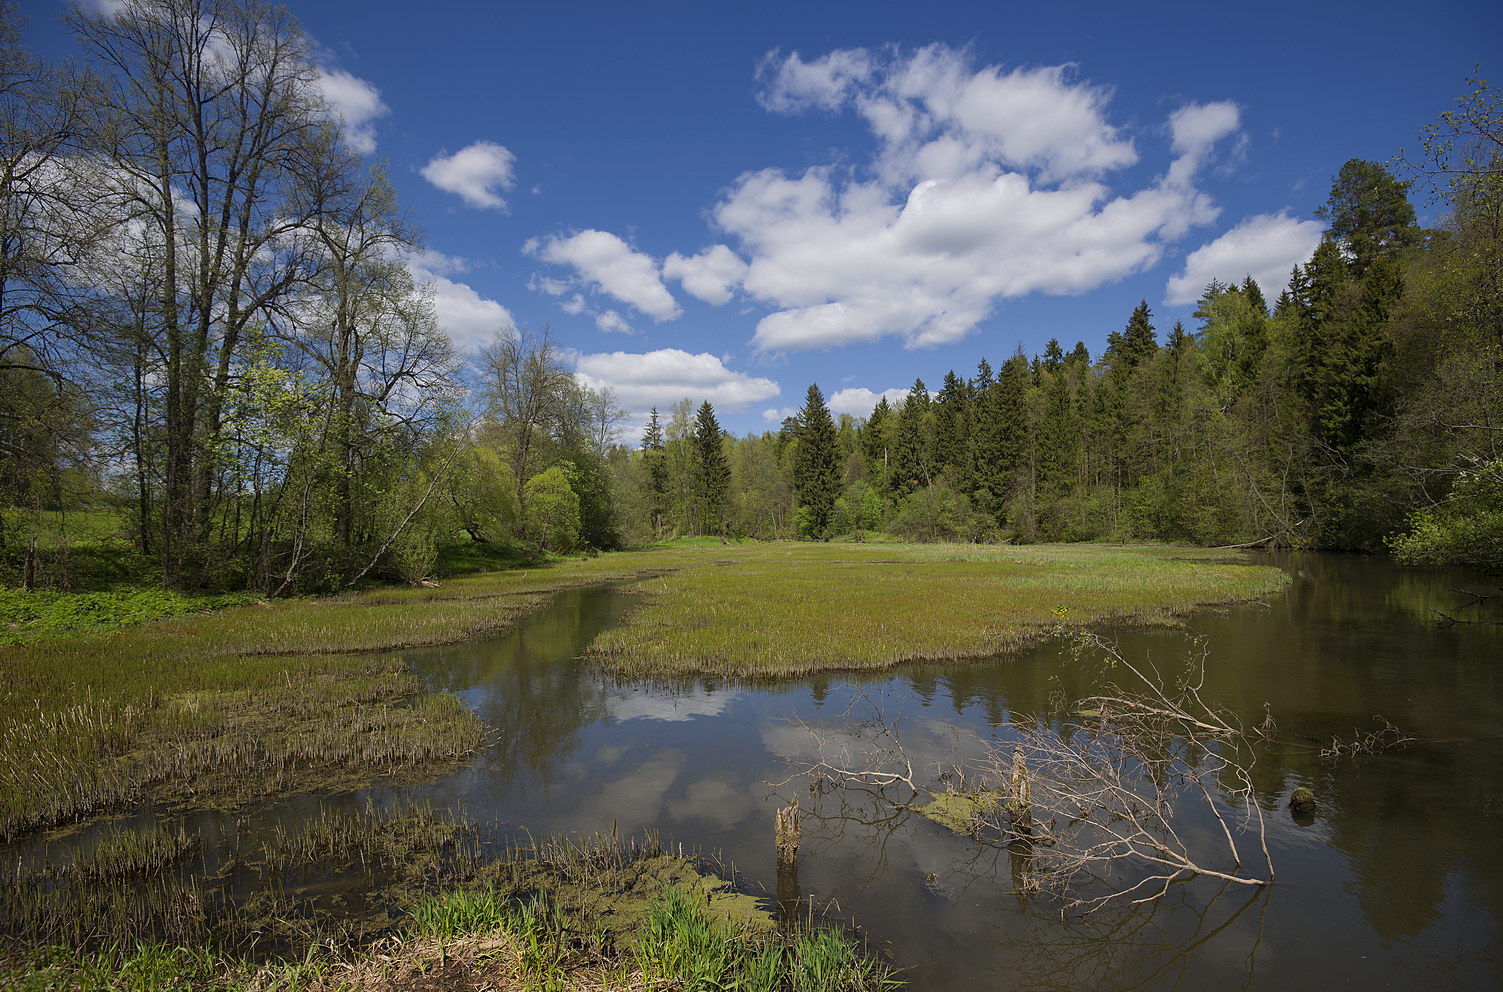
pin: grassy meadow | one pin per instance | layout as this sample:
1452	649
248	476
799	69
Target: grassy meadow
220	709
779	610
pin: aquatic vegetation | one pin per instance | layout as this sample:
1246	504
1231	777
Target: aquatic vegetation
961	812
218	710
422	901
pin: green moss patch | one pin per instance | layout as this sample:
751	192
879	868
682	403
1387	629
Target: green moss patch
960	811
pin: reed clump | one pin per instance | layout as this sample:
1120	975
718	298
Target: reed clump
329	722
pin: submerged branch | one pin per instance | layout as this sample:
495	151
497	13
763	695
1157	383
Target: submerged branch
1083	798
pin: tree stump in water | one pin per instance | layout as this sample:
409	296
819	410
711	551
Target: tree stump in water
1019	795
786	826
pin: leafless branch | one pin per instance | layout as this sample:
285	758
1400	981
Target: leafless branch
1095	792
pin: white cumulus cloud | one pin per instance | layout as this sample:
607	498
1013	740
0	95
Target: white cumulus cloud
663	377
610	265
1265	246
1195	130
470	320
860	401
984	184
712	275
790	85
357	102
612	322
478	173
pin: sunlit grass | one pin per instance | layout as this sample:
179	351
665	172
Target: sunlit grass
793	609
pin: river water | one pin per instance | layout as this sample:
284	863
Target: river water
1396	881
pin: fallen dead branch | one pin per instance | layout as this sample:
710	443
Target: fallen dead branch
1107	799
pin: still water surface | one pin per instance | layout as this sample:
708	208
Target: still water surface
1397	881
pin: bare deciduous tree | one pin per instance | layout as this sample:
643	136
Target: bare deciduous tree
528	386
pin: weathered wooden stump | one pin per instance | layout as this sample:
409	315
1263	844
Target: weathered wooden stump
786	824
1020	794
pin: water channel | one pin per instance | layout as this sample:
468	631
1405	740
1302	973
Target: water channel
1396	881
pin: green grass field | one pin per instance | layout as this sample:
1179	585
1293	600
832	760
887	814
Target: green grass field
778	610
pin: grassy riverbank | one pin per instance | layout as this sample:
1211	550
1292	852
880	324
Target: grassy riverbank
793	609
234	706
225	708
385	902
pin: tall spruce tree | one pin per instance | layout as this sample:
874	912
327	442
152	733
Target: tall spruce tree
1136	344
949	424
911	464
816	466
712	477
657	473
877	441
1054	356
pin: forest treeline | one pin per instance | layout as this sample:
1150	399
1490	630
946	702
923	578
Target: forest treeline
210	336
1361	408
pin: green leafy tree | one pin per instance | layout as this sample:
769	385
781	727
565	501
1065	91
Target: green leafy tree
551	517
1466	529
1233	335
483	495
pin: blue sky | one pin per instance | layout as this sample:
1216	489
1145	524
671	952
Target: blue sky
730	201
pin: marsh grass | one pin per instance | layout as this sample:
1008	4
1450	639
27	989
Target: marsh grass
326	722
680	945
795	609
403	901
232	707
235	706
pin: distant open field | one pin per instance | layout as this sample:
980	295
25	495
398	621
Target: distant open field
792	609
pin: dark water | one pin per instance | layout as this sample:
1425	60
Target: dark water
1398	881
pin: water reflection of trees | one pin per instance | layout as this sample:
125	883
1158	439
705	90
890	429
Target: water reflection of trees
528	685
